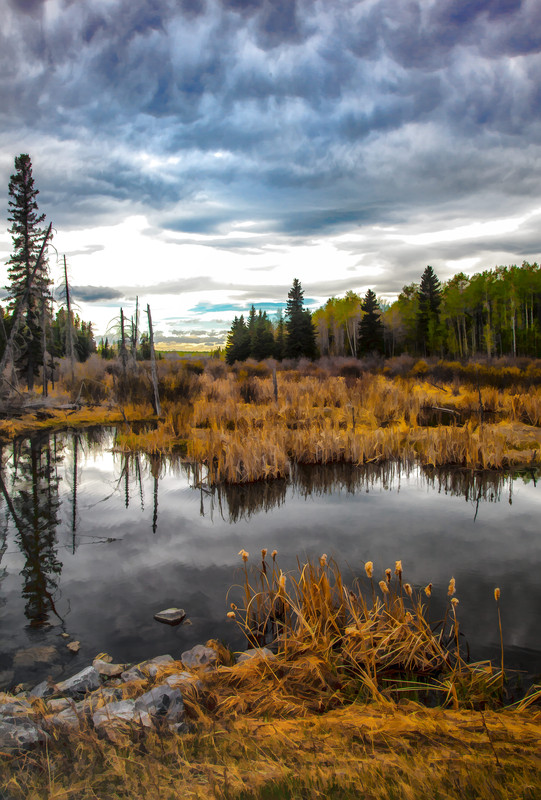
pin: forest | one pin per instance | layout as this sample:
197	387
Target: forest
494	313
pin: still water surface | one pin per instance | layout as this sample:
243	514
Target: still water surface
93	544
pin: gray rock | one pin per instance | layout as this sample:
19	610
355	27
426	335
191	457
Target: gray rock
43	690
91	701
170	616
133	674
117	713
17	708
256	652
199	656
105	668
181	679
146	668
58	704
88	680
151	666
18	734
67	720
163	704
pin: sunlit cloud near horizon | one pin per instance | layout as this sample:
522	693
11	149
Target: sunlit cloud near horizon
200	154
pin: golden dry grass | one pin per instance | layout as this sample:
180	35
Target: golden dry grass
231	423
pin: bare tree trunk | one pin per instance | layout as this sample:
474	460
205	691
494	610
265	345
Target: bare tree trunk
69	330
44	350
135	332
123	352
154	372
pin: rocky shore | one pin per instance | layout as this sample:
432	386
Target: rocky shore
113	699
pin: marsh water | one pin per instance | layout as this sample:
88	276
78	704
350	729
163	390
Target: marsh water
93	543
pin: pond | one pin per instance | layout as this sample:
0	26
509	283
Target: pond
93	543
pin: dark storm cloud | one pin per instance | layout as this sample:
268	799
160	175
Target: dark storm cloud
301	116
93	294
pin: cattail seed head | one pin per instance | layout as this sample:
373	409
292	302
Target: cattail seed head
428	590
383	586
263	552
388	574
274	554
231	615
369	568
452	587
398	568
282	582
323	560
408	589
497	595
454	601
244	554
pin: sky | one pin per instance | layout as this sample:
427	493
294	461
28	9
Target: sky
201	154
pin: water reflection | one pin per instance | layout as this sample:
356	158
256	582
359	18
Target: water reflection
94	542
33	503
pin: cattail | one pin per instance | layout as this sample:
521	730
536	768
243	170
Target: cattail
282	582
263	553
274	554
428	590
369	568
231	614
244	555
388	575
323	560
454	601
383	586
497	595
408	589
398	568
451	590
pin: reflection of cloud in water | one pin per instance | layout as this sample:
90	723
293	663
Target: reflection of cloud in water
439	524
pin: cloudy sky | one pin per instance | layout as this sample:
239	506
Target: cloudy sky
203	153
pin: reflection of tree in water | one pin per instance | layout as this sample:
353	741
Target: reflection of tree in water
246	499
33	503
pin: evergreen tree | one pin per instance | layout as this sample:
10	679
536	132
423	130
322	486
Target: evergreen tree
238	341
263	341
370	331
428	315
27	238
279	337
300	335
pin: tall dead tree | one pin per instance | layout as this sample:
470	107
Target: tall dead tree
153	371
135	332
69	327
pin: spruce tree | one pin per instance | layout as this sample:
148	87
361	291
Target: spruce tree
300	335
428	315
27	235
238	341
279	337
370	330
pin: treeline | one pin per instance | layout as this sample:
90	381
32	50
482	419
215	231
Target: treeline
494	313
